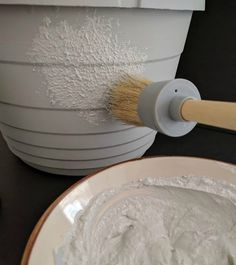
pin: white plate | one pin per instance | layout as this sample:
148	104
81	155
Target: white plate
58	219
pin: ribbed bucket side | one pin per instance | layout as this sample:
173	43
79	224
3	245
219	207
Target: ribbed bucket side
58	139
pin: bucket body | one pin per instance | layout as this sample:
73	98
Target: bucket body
54	137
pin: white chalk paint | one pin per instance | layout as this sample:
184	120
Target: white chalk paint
80	63
177	221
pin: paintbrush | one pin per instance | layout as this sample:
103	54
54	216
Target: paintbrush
171	107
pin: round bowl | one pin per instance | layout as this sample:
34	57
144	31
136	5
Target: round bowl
55	223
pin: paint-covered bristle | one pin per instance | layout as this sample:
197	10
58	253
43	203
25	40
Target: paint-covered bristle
123	100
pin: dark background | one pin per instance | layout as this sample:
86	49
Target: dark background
209	61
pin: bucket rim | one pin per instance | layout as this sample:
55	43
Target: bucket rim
151	4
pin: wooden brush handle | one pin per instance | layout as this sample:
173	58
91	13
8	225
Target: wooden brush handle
214	113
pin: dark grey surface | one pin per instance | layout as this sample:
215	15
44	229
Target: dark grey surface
209	57
209	60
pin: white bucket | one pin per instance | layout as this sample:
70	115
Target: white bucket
55	137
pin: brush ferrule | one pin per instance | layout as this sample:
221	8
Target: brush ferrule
148	105
157	110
